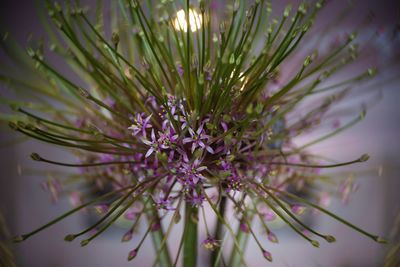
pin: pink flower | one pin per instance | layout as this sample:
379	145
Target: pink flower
210	243
140	125
154	146
198	139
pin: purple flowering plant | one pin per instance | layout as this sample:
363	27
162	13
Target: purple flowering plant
183	110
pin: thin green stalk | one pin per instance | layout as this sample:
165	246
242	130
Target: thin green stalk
190	238
218	232
158	236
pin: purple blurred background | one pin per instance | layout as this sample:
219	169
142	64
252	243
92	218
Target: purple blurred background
373	207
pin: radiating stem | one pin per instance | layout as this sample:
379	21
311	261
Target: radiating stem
218	232
158	236
190	238
242	238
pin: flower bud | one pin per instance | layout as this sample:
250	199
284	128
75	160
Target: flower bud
244	228
267	255
315	243
36	157
272	237
18	239
364	158
85	242
132	254
115	38
127	236
69	238
330	238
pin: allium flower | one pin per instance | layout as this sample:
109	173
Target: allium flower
210	243
167	139
191	172
167	123
153	144
198	139
163	203
140	125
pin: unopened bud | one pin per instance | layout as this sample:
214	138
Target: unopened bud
315	243
302	9
132	254
380	240
372	71
352	36
330	238
244	228
127	236
232	59
272	237
236	6
69	238
115	38
287	10
85	242
364	158
18	239
267	255
36	157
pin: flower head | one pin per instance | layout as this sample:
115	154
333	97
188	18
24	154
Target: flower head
167	119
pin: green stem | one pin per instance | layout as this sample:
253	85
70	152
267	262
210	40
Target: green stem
218	232
242	238
158	236
190	238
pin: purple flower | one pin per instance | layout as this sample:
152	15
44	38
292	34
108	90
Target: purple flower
106	158
191	172
197	139
208	75
210	243
232	180
133	211
179	68
233	183
154	146
140	125
167	139
163	203
244	228
196	199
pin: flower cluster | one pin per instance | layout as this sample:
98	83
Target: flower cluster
200	121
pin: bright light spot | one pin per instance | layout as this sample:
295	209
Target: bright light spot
242	79
180	22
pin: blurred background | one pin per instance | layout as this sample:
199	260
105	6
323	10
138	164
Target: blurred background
373	207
